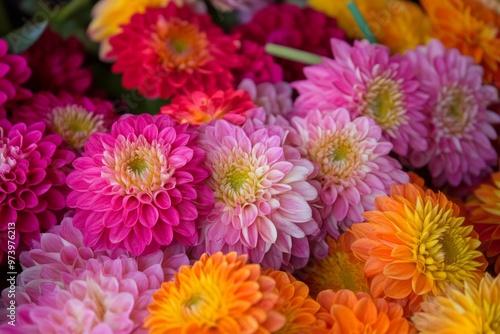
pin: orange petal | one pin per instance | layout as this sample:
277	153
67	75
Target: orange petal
422	284
397	289
400	270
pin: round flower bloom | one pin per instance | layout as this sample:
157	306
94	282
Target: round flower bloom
340	269
294	303
173	51
415	244
262	195
198	107
73	118
467	26
353	162
275	99
57	65
13	73
295	27
140	185
31	182
346	312
367	81
220	293
459	148
470	310
484	213
257	65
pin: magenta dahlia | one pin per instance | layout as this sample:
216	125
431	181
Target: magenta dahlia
262	196
292	26
58	65
73	118
353	162
459	146
367	81
13	73
31	181
140	186
257	65
174	51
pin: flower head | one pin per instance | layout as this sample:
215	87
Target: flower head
459	147
173	51
470	310
367	81
13	73
257	65
57	65
219	292
140	185
262	195
353	162
415	244
198	107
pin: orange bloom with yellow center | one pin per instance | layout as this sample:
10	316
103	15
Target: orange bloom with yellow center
346	312
484	207
294	303
340	269
470	27
415	244
218	294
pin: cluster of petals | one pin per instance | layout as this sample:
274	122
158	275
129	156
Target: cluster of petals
257	65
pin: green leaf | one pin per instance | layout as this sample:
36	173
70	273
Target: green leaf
70	9
22	38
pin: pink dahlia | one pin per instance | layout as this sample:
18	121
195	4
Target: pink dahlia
140	185
257	65
289	25
174	51
459	147
13	73
261	196
57	65
73	118
198	108
353	162
367	81
31	181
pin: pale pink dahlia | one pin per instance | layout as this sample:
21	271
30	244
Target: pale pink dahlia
31	181
367	81
261	195
13	73
353	161
73	118
140	186
459	148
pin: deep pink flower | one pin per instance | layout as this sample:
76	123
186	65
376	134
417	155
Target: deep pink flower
367	81
140	186
257	64
58	65
13	73
460	127
289	25
31	181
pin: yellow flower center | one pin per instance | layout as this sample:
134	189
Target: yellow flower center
454	111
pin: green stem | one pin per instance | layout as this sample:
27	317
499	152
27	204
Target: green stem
365	29
293	54
5	25
68	10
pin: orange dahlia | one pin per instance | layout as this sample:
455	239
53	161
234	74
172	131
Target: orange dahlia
484	207
340	269
470	27
415	244
218	294
346	312
294	303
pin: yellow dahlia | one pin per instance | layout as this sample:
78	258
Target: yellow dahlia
399	24
218	294
294	303
340	269
468	311
415	244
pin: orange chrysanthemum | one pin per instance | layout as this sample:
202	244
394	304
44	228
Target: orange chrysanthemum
415	244
346	312
340	269
470	27
294	303
484	207
218	294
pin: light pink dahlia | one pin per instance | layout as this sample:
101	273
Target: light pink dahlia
140	186
367	81
13	73
73	118
261	195
459	148
32	182
353	162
